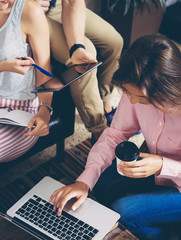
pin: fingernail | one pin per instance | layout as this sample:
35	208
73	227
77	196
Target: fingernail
73	208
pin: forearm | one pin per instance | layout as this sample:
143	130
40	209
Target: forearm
103	152
73	20
2	66
101	155
170	168
45	98
40	79
36	23
170	174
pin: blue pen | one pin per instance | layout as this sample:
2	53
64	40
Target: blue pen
39	68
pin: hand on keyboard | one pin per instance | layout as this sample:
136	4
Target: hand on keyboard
39	213
62	195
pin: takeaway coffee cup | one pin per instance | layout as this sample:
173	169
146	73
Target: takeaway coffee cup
126	151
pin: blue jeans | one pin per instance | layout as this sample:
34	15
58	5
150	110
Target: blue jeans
149	211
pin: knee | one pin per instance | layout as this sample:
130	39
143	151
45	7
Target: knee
115	40
90	46
127	212
120	206
117	43
114	45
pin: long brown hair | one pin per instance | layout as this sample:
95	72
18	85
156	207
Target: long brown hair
153	64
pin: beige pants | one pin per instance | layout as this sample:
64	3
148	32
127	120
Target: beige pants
93	89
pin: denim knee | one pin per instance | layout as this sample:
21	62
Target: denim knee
123	207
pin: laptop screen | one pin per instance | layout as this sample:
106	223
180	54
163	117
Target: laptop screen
68	76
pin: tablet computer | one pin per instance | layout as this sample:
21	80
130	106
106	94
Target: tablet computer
68	76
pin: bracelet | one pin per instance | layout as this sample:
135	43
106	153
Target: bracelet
74	47
46	105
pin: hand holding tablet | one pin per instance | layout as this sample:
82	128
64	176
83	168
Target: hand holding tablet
68	76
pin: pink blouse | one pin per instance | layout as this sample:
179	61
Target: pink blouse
161	131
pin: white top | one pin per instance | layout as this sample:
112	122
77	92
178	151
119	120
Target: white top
14	85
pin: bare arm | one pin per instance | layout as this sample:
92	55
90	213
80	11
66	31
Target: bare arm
35	27
16	65
73	20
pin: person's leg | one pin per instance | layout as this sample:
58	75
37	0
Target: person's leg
58	44
85	91
109	44
12	142
111	185
105	38
136	199
150	215
86	95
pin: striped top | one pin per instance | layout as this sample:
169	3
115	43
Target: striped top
14	85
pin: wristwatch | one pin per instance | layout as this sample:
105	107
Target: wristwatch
46	105
74	48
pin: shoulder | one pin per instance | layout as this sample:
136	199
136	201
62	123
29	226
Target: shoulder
32	12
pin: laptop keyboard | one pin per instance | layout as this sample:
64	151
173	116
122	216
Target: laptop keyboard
40	212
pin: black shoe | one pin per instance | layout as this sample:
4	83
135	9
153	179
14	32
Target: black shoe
109	116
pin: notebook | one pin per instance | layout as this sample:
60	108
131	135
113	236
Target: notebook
33	212
67	77
15	117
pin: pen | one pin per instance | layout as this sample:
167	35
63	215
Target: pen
39	68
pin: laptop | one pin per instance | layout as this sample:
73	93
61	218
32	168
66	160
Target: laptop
34	213
67	77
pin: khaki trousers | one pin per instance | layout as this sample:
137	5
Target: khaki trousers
89	92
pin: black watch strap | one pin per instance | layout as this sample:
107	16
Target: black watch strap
53	3
75	47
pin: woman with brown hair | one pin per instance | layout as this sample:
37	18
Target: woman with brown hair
149	75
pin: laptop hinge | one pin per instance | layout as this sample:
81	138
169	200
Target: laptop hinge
30	229
6	216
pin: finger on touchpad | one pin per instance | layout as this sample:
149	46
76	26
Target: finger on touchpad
80	210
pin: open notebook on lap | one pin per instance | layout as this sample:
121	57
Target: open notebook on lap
34	213
67	77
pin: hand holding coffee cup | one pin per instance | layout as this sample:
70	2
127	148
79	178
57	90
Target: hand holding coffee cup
126	151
